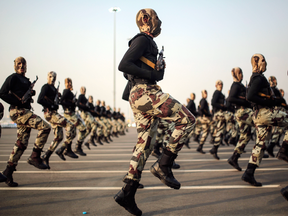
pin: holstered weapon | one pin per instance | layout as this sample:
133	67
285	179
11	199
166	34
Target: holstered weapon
160	61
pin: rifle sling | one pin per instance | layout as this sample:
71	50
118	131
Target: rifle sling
147	61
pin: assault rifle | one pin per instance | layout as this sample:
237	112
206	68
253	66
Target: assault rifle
271	97
56	99
28	93
160	61
74	98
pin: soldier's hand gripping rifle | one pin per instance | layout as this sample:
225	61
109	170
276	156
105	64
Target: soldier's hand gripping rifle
56	99
29	93
160	64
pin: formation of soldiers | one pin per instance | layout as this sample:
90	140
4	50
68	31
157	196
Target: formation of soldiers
162	122
99	122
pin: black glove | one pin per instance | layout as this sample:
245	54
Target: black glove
33	92
157	75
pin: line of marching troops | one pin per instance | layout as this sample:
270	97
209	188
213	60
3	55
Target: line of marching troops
98	123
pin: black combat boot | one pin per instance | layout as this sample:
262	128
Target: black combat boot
98	140
68	151
115	134
3	178
125	180
233	161
200	149
109	138
126	197
212	140
46	157
284	192
196	138
248	175
162	169
283	152
270	149
60	151
214	151
156	151
91	140
35	159
175	165
226	138
233	141
8	173
187	143
106	139
87	145
78	149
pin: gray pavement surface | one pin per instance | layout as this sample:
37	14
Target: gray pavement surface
88	184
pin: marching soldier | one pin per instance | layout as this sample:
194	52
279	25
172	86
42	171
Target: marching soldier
17	90
265	116
243	115
49	99
149	103
218	101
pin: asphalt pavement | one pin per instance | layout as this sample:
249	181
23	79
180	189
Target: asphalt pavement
88	184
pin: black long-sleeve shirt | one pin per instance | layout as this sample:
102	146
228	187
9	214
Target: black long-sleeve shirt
67	100
98	110
82	103
103	111
237	95
203	108
192	108
259	84
218	101
140	45
19	85
47	96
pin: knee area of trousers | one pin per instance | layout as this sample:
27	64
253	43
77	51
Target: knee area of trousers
21	145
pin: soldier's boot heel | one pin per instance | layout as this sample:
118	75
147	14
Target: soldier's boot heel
126	197
8	174
79	150
60	151
248	175
284	192
68	152
162	169
35	159
233	161
283	152
200	149
46	157
214	151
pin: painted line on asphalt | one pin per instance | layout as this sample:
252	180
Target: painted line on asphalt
145	188
144	171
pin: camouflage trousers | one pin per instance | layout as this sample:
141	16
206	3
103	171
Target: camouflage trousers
78	123
148	104
276	134
164	132
108	126
220	121
103	127
91	123
113	125
197	128
231	124
122	125
245	122
26	120
58	122
264	119
204	127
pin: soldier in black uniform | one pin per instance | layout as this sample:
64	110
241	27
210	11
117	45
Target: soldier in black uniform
218	101
266	114
17	90
243	115
49	99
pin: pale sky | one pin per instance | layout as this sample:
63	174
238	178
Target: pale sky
203	41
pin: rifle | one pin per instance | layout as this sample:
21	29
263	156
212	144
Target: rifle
74	98
271	96
160	61
56	99
28	93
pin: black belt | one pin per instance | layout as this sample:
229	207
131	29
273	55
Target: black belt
16	107
143	81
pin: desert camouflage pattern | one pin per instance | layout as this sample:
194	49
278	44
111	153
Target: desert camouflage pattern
276	134
163	132
26	120
58	122
108	126
148	105
264	119
220	122
205	125
244	118
78	123
231	124
91	123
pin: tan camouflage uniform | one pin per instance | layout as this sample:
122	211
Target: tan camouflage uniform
25	120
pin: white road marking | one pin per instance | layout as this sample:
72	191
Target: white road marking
145	188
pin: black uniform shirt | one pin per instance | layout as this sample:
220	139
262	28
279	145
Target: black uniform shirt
82	103
47	96
218	100
67	100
